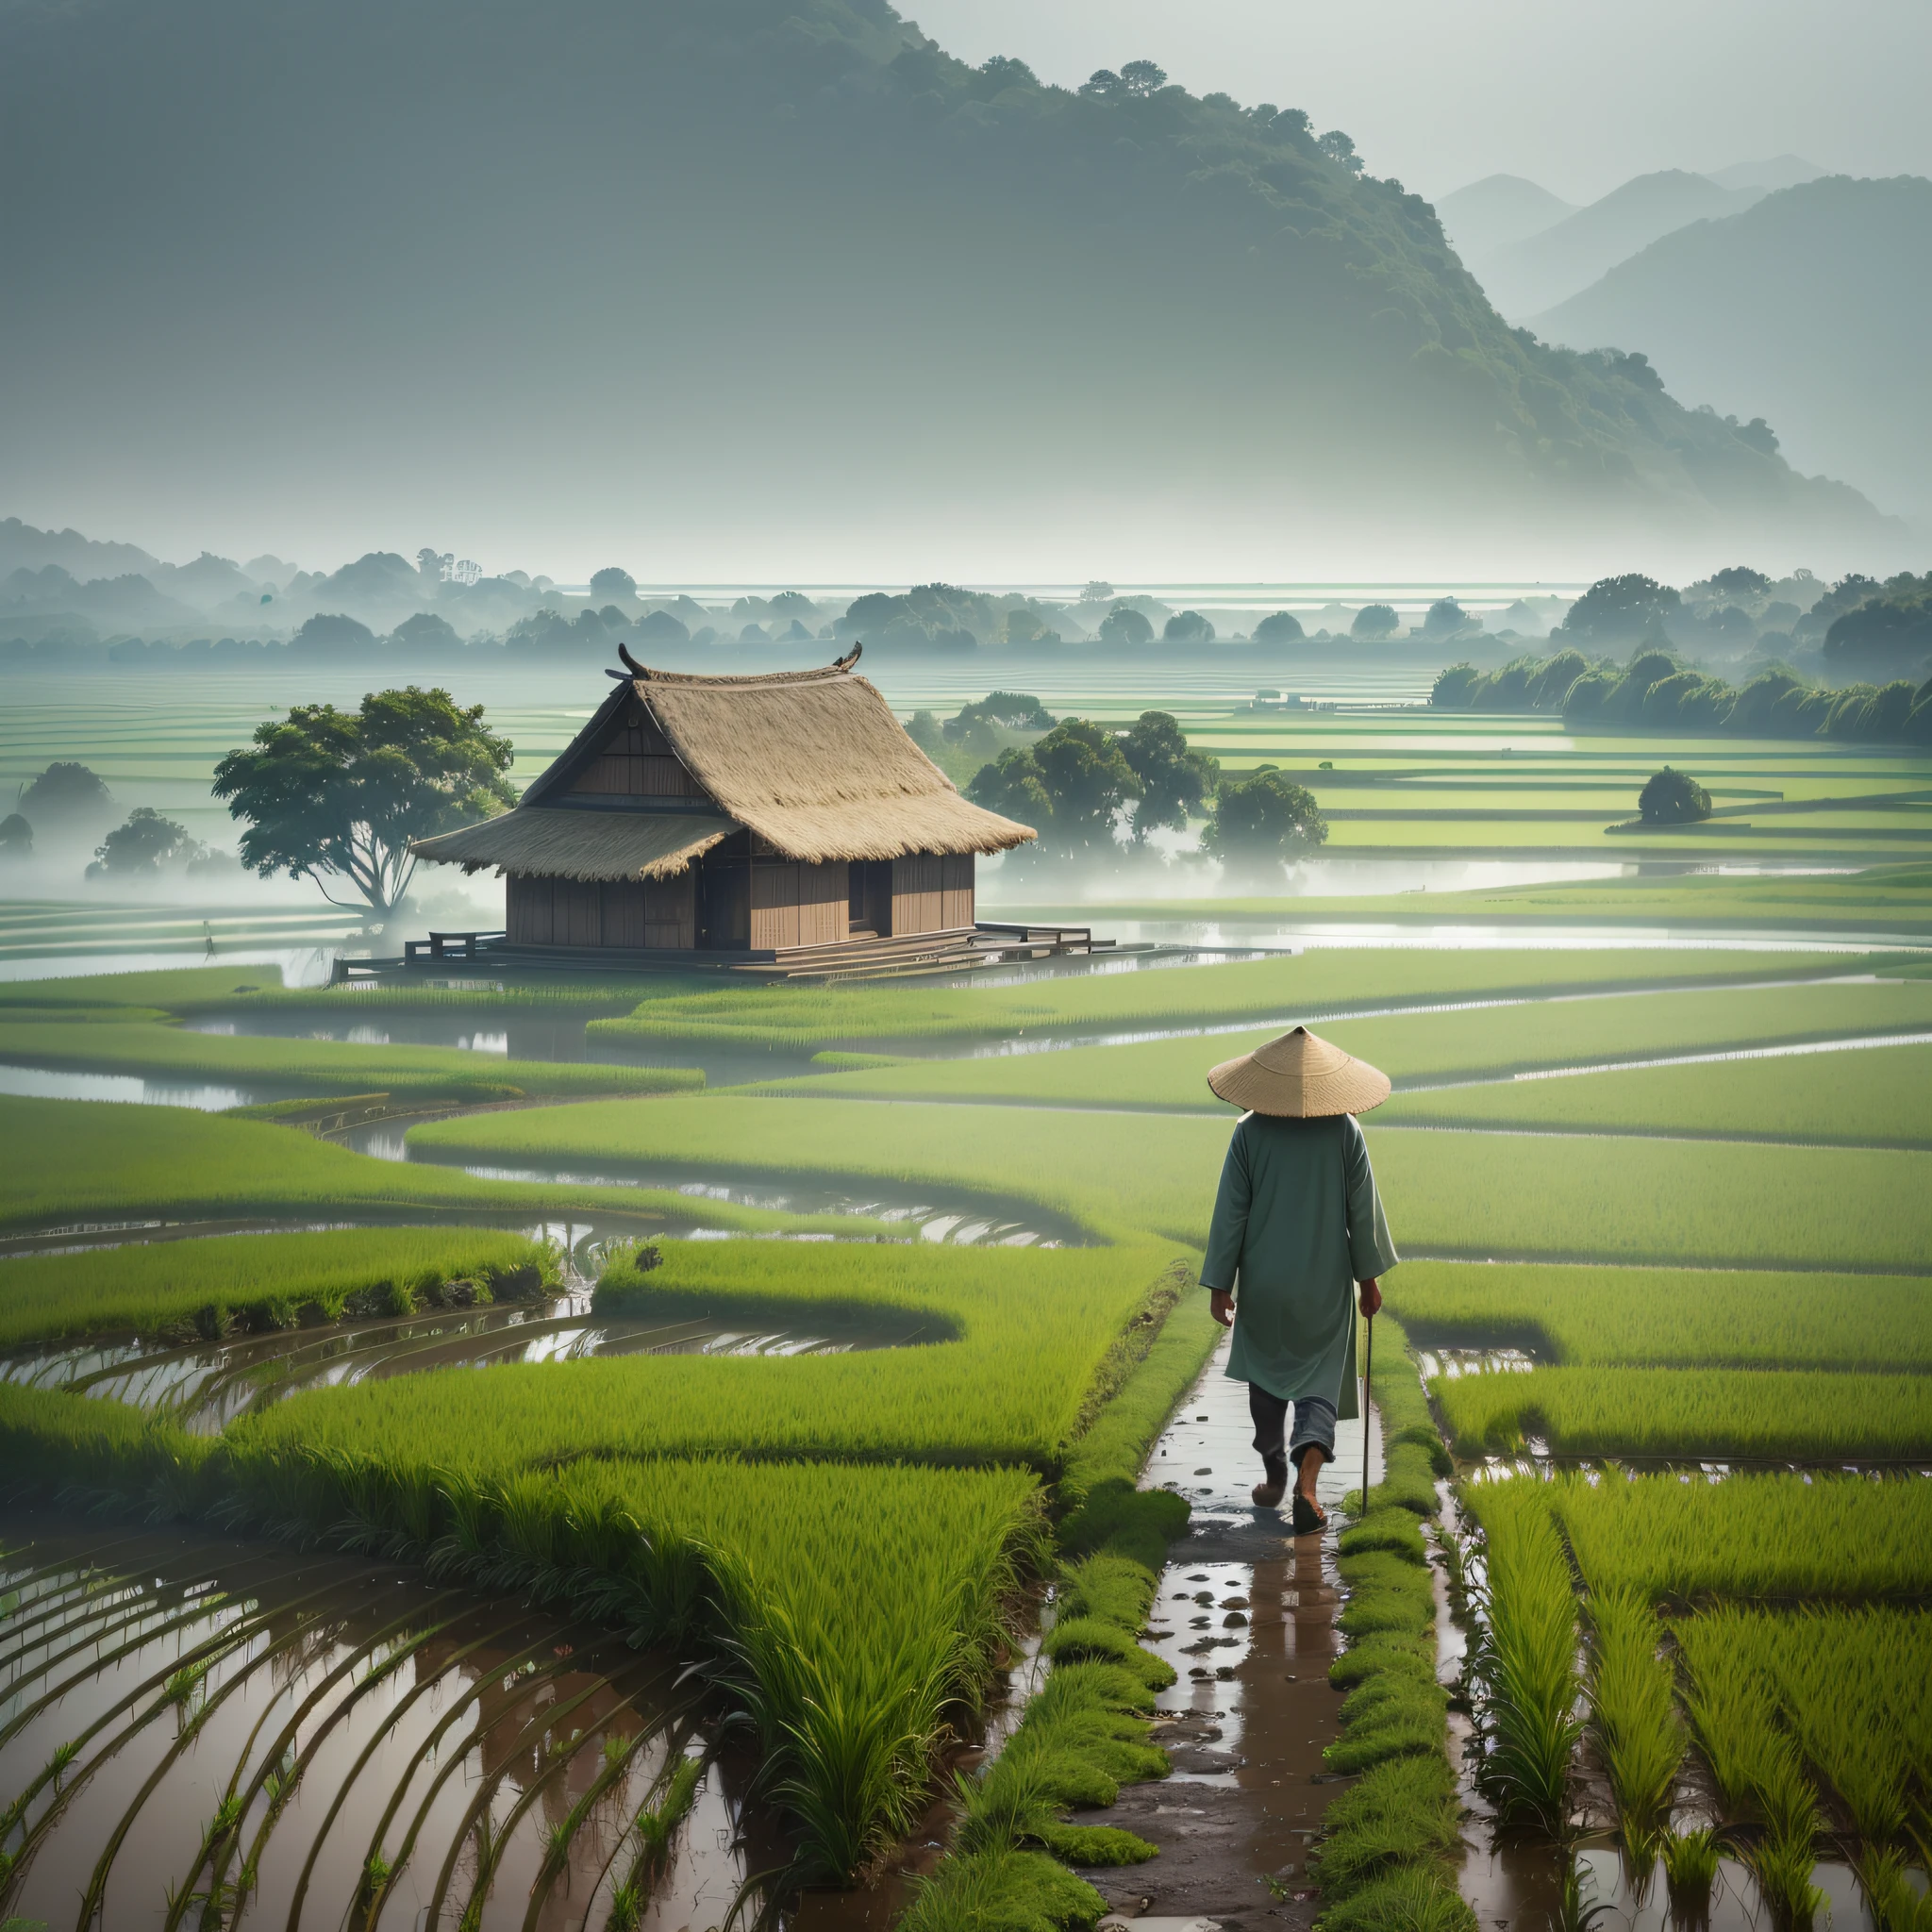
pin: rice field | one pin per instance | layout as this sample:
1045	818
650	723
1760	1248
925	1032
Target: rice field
1682	1414
1686	1318
1493	1041
211	1287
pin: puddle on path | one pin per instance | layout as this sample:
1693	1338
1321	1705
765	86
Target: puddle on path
206	1385
231	1706
50	1083
1245	1614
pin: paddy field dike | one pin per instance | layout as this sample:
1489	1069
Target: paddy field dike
562	1454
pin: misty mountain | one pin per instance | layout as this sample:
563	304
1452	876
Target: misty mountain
1809	309
23	547
1498	209
1781	171
1524	278
778	280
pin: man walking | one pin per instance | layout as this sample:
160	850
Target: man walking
1296	1220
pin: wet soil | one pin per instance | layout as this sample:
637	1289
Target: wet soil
1246	1614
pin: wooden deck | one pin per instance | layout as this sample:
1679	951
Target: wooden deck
953	949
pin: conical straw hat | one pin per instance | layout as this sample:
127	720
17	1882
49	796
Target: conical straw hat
1301	1075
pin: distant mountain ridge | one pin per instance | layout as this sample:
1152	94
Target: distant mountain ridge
630	274
1809	309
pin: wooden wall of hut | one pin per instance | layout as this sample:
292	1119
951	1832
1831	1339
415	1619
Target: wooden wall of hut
658	913
796	904
637	761
931	893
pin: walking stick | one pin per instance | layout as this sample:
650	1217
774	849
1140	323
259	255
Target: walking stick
1368	1365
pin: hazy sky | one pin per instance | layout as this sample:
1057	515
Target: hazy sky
1577	94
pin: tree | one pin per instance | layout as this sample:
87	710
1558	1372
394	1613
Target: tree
1672	798
1187	628
426	631
1143	77
1071	787
1124	624
660	627
1103	84
1341	149
1447	618
67	791
1617	611
143	846
340	794
337	635
1012	787
1740	580
1279	627
1097	591
16	837
1002	71
612	582
1375	621
1174	780
1266	818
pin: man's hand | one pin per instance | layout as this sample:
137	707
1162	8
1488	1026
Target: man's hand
1221	1305
1372	1297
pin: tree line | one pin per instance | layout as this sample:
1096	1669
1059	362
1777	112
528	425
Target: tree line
1657	690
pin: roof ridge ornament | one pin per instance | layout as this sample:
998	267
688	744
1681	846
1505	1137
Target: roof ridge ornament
845	663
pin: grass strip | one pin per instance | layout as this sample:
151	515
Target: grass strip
1172	1074
167	1052
1633	1717
176	1290
78	1160
1772	1414
797	1018
1016	1341
1385	1860
1507	1195
1832	1536
1677	1317
1875	1096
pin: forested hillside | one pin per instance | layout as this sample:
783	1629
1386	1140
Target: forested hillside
788	267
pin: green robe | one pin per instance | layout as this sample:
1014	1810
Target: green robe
1297	1222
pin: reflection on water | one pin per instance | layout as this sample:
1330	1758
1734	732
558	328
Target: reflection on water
205	1385
46	1083
196	1718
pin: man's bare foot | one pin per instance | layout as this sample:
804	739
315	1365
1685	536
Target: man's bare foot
1310	1519
1267	1494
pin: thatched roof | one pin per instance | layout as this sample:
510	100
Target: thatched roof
813	762
573	844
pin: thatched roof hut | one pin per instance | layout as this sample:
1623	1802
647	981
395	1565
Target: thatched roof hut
736	815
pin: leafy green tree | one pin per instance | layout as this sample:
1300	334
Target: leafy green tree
143	846
16	837
1619	610
1264	820
1672	798
67	791
1012	787
1279	627
1740	580
331	794
333	635
1187	628
1375	621
426	631
611	582
1175	779
1124	624
1071	787
1341	149
1103	84
1143	77
1447	618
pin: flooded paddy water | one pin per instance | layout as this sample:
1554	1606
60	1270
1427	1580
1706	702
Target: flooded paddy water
195	1729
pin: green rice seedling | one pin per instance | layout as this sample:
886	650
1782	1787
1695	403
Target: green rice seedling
184	1685
1633	1717
1002	1887
371	1885
80	1161
1505	1195
797	1017
1877	1096
1690	1861
1894	1903
1018	1340
1168	1074
1665	1317
257	1281
1524	1662
1759	1536
1692	1413
1579	1908
319	1066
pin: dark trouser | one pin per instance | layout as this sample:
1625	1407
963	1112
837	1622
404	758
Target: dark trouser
1314	1423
